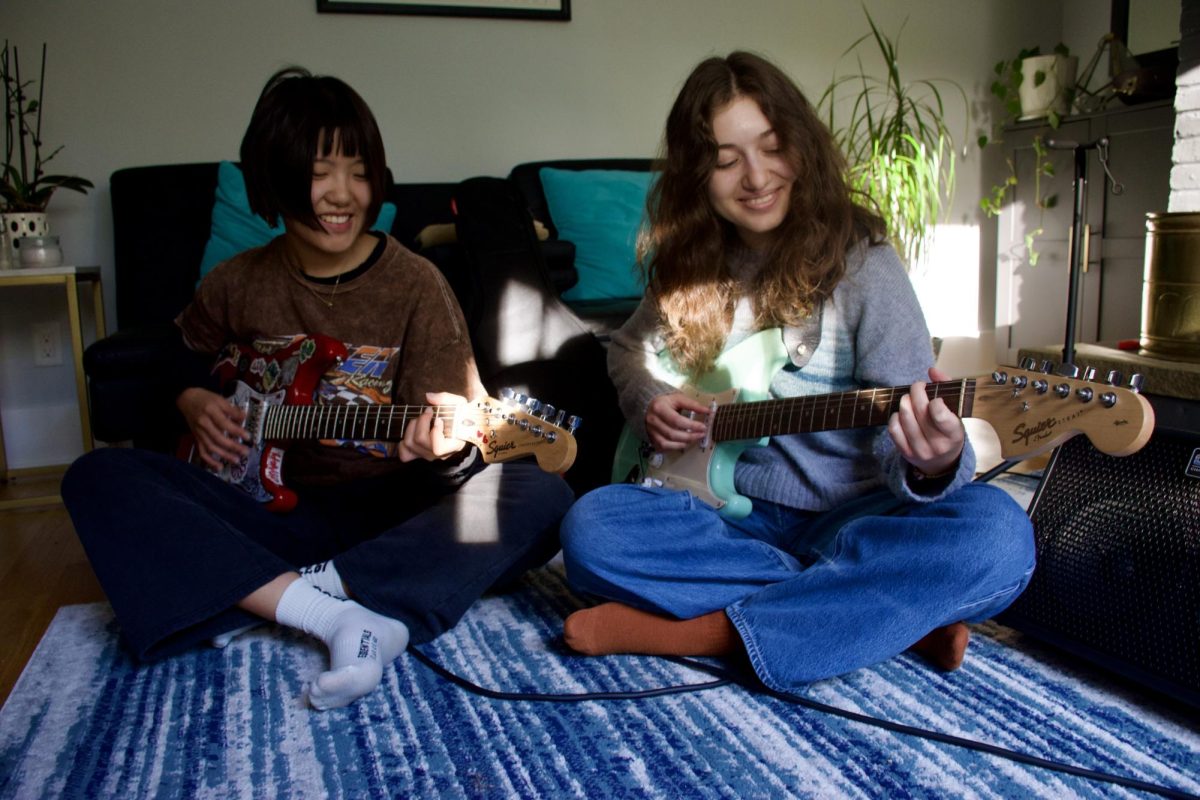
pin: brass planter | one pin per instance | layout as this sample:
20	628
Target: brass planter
1171	287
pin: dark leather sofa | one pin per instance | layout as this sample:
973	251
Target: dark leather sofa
529	341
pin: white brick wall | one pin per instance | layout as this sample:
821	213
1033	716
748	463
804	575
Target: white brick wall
1185	156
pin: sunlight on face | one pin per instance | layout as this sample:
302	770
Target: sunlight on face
751	185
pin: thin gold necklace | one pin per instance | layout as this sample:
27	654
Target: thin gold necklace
332	295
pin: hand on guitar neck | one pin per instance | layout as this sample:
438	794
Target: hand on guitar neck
428	439
927	433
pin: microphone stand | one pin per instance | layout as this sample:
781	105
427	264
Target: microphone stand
1075	245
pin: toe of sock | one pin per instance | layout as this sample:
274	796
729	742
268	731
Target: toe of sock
342	686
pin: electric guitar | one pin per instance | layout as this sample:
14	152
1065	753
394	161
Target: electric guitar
1031	411
275	384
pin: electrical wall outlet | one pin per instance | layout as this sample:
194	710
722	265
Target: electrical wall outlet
47	344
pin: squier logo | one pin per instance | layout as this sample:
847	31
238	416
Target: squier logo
1024	434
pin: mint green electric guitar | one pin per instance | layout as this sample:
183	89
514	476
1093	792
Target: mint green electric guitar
1031	411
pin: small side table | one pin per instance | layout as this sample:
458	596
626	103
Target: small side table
70	279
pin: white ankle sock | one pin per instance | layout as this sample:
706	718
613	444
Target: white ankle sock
360	642
325	577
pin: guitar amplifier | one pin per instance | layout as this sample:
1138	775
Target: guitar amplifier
1118	543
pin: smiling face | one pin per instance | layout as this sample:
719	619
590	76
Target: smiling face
341	195
751	185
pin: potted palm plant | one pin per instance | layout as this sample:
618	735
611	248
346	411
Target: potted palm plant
25	186
896	140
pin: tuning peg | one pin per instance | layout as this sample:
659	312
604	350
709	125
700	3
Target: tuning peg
573	423
1046	366
1089	373
547	411
519	398
1068	371
558	418
533	404
1136	380
1114	377
1000	377
1026	363
506	394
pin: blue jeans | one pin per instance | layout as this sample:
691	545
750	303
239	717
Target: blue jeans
175	548
812	595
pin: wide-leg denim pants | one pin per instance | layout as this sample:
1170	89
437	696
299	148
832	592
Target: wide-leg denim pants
175	548
811	594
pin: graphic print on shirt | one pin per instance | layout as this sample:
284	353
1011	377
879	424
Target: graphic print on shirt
365	377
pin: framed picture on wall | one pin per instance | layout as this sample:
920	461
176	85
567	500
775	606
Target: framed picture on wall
515	9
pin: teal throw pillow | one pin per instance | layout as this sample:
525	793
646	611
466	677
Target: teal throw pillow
236	228
600	211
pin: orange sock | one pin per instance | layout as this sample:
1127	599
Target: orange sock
944	647
615	628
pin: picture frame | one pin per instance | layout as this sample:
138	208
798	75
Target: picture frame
559	10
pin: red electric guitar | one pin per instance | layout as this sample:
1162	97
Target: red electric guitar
275	383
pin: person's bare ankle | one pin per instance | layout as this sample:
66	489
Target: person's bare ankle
944	647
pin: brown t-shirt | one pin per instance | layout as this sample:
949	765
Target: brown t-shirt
401	324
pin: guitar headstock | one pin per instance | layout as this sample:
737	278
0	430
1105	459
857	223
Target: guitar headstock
519	426
1034	410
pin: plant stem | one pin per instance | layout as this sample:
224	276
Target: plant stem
37	136
16	60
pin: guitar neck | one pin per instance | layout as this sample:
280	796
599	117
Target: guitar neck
351	422
855	409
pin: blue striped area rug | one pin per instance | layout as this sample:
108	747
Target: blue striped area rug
85	721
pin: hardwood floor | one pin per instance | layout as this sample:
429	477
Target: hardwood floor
42	567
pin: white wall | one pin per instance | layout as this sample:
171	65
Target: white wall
134	82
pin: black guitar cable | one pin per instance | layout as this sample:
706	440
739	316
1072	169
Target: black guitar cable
724	678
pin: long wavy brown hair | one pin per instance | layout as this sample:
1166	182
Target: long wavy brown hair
684	250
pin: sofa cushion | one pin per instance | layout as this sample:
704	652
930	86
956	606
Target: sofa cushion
236	228
600	211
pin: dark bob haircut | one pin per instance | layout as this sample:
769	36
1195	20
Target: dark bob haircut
296	119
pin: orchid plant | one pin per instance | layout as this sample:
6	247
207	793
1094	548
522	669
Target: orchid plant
24	184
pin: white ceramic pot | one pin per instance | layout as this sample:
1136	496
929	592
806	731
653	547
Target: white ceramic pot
16	226
1050	94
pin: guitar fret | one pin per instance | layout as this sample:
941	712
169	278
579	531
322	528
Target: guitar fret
852	409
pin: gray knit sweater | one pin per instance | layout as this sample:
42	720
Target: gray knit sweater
871	333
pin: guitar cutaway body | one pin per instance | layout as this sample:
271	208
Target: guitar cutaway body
743	373
263	378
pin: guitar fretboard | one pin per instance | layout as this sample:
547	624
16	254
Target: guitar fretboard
357	422
855	409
